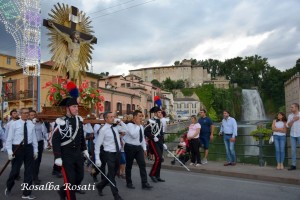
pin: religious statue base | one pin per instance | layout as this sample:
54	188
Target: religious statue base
50	114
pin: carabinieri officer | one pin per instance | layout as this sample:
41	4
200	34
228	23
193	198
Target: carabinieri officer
68	145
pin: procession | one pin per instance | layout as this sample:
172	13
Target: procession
70	129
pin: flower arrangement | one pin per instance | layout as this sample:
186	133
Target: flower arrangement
57	91
91	96
64	88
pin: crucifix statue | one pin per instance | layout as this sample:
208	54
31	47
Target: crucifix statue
71	38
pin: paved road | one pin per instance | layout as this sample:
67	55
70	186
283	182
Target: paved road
180	185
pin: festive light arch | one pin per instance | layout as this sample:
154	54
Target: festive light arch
22	20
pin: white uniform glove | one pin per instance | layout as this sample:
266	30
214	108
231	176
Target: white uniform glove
151	121
35	155
34	120
86	154
11	156
58	162
155	139
98	163
165	147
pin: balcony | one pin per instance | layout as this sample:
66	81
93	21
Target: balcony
25	95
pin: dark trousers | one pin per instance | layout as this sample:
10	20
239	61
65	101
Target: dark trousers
37	162
155	149
194	146
135	152
24	154
112	161
103	165
72	160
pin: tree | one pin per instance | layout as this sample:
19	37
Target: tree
177	62
179	84
168	84
156	83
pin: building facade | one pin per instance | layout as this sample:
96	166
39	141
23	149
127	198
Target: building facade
192	75
186	107
292	91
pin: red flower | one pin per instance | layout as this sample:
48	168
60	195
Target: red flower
51	98
92	95
53	90
47	85
101	98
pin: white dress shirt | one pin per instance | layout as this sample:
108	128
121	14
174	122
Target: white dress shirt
4	138
41	131
295	129
132	135
106	138
16	135
96	131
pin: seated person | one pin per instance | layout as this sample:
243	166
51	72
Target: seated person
181	149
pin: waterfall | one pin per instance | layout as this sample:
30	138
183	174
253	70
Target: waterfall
253	108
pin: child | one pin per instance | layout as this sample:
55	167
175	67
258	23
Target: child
181	149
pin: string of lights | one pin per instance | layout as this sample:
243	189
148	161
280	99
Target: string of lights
22	20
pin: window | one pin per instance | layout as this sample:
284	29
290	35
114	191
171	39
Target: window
119	108
128	109
93	84
30	83
8	60
133	107
107	106
123	85
128	85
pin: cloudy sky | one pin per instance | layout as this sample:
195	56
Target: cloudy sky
145	33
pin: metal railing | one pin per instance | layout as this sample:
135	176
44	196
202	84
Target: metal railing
262	154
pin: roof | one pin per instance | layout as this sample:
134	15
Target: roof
48	65
160	67
185	99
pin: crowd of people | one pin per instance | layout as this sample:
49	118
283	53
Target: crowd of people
114	145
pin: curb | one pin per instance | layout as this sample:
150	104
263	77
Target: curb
293	181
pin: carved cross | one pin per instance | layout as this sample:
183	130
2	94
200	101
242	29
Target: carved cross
69	30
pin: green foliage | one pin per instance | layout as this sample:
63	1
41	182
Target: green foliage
156	83
212	114
216	100
266	133
187	91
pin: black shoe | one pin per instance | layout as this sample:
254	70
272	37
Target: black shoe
130	186
153	178
100	193
62	195
160	180
292	167
146	186
117	197
95	179
173	162
80	191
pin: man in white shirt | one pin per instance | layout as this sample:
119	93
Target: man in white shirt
21	135
229	132
41	135
13	117
135	148
294	124
110	139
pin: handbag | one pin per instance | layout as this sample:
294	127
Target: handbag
271	140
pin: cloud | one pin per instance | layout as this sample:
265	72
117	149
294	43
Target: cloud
161	32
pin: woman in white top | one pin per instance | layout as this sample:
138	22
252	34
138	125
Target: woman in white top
193	137
279	134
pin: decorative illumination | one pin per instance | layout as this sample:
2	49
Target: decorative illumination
22	19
